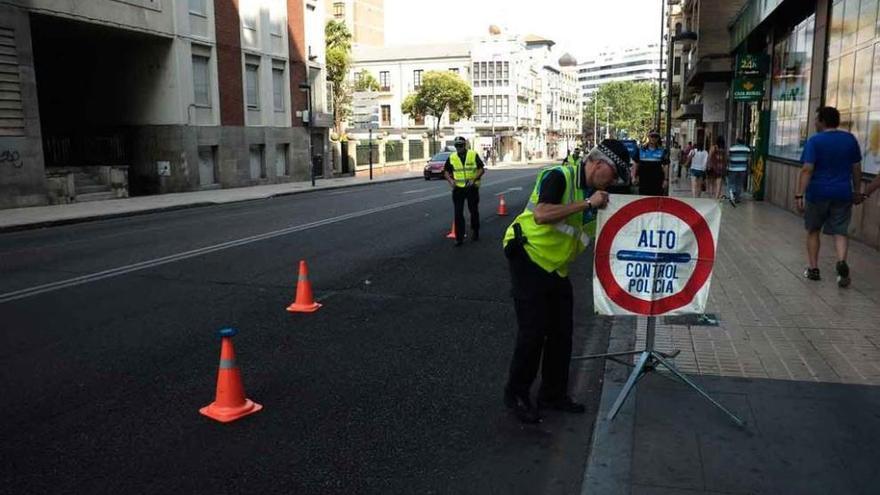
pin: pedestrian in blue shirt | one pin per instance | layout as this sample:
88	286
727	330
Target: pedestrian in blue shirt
832	170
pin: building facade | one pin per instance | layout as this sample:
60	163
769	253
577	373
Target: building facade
615	64
526	105
110	98
365	20
759	69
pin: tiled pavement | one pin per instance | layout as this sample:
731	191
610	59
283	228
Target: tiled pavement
798	360
773	323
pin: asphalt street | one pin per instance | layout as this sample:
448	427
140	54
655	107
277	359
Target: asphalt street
108	349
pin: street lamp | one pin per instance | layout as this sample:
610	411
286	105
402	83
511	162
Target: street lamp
608	122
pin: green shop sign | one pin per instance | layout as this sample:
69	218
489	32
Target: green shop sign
748	89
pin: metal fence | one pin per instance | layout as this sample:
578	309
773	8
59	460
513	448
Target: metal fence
416	149
393	151
363	154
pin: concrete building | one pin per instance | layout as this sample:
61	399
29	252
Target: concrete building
108	98
759	69
613	64
526	102
365	19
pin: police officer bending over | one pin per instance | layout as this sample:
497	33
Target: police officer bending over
540	244
463	170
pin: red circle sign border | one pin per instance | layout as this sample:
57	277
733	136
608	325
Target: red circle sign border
702	270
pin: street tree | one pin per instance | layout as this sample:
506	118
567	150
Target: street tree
338	43
629	106
439	92
364	81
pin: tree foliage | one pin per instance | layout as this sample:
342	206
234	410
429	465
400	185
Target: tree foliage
338	43
364	81
633	106
439	92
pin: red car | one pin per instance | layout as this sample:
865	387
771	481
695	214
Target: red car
434	167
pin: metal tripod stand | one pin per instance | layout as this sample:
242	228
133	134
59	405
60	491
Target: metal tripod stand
649	359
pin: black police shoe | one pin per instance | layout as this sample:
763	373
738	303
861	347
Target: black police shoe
564	404
522	407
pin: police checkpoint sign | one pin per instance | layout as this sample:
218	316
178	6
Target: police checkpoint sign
654	255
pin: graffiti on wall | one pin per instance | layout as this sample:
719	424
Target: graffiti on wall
11	157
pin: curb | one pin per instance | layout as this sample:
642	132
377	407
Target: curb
164	209
609	465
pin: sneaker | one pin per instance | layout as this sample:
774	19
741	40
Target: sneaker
565	405
843	279
812	274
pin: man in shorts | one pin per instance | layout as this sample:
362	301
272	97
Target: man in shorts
832	170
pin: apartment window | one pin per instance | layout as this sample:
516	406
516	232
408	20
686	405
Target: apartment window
252	85
249	21
417	77
454	70
329	92
676	66
338	10
278	85
384	80
790	91
201	76
386	115
477	105
198	7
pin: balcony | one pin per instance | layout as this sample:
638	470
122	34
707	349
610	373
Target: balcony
712	68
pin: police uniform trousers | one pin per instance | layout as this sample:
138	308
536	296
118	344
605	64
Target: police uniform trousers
651	179
544	304
472	195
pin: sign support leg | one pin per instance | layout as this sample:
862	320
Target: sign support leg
649	359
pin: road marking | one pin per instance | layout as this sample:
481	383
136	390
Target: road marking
419	190
511	189
143	265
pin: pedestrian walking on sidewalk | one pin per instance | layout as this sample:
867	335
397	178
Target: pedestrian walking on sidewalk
697	160
738	168
463	170
830	177
540	244
675	161
717	169
652	168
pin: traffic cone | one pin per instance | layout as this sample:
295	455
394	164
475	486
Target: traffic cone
451	234
502	207
229	402
305	301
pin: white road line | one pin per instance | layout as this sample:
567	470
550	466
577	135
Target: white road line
143	265
511	189
419	190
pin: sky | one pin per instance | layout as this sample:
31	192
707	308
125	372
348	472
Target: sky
577	26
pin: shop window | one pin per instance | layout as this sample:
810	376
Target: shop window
790	91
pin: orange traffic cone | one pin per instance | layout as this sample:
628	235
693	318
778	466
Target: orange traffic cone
451	234
305	301
229	402
502	207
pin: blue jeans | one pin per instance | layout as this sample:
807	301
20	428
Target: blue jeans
735	181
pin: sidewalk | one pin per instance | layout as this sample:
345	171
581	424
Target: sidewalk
44	216
799	361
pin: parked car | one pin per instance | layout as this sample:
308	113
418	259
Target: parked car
434	167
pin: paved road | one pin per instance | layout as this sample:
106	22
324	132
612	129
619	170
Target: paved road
108	349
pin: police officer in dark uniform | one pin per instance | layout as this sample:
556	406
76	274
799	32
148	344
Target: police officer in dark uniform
463	170
540	245
652	168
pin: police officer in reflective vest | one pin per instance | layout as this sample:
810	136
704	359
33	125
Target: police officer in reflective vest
652	168
463	171
574	158
540	244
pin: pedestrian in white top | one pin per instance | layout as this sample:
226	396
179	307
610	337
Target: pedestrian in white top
675	161
698	158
